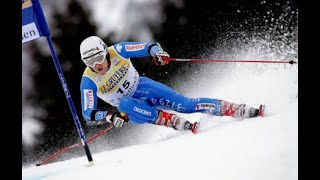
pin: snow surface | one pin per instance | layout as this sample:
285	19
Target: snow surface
224	149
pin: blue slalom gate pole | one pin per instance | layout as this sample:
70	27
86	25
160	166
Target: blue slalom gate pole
34	25
69	99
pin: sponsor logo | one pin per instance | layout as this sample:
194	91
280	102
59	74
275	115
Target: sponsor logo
90	50
141	111
207	106
119	48
135	47
29	32
115	61
88	99
115	78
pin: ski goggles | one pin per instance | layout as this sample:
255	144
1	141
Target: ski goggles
95	59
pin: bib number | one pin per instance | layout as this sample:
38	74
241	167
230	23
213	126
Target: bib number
125	85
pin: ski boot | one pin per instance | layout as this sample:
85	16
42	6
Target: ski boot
241	110
257	112
192	126
176	122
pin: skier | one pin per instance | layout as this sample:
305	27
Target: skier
111	76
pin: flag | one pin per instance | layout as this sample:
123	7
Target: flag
34	24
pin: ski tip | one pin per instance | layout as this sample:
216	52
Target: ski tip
261	110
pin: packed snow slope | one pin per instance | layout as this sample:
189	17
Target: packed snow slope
224	149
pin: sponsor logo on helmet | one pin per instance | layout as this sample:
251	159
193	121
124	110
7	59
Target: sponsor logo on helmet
207	106
88	99
134	47
142	111
90	50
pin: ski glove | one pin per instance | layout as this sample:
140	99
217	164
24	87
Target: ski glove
118	119
160	57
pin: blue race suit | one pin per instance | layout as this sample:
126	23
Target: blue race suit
137	96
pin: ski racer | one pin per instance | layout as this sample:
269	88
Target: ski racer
111	76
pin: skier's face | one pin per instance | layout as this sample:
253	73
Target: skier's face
102	68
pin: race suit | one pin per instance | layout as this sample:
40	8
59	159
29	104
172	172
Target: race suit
138	97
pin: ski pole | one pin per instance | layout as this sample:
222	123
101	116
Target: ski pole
74	146
224	60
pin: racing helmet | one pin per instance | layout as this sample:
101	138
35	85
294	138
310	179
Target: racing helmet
93	50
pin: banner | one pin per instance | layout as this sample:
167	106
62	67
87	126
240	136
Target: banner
34	24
